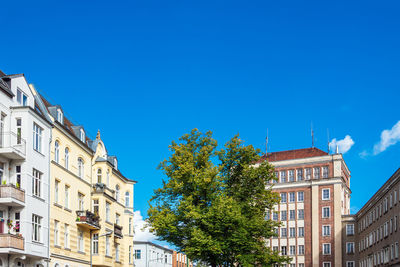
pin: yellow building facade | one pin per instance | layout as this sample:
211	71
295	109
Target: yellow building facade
91	202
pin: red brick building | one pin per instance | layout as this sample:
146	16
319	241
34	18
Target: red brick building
315	193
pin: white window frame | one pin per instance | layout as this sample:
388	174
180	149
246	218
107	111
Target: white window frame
56	232
81	241
329	211
36	228
81	168
300	199
37	137
95	244
107	245
66	236
347	229
108	211
326	264
326	230
36	183
56	191
292	197
57	152
66	158
66	196
347	248
329	193
328	245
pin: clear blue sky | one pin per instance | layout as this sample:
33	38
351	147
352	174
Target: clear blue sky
146	72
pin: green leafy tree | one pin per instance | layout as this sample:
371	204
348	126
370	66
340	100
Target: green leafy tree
214	203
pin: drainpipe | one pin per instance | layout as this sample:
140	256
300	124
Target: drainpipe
91	252
48	200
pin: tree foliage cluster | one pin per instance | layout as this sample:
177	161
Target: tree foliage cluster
214	202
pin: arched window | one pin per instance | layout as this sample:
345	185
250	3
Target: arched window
127	199
56	152
81	170
66	158
99	180
117	192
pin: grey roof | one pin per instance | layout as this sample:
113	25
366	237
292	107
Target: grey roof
152	244
4	85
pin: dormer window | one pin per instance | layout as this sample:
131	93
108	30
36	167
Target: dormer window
82	135
115	164
22	98
60	117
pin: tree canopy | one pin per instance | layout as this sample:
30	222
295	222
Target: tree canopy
214	203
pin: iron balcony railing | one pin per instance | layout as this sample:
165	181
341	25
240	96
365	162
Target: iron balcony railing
117	231
88	218
14	141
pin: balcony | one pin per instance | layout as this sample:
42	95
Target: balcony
11	241
12	146
117	231
12	196
87	219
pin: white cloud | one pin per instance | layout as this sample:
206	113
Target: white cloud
343	145
388	138
141	233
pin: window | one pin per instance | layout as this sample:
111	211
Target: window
326	249
292	197
66	201
350	229
116	252
107	211
96	206
117	219
283	232
301	231
130	254
283	197
36	228
350	247
95	243
283	176
325	172
82	135
292	250
292	215
350	264
107	245
326	230
18	176
56	232
36	183
127	199
66	235
19	131
291	175
326	194
57	152
301	249
275	216
300	175
22	98
326	264
99	180
117	193
60	116
317	172
130	226
81	202
17	226
56	184
81	170
300	196
283	215
326	212
80	241
396	250
308	173
37	138
300	214
138	254
292	232
284	250
66	158
108	177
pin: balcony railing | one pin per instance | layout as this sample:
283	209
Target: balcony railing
87	219
117	231
11	241
12	145
10	191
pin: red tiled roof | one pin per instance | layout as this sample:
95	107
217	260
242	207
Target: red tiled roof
294	154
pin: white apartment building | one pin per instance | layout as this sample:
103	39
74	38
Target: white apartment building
148	254
25	134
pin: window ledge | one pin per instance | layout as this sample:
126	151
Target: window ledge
81	252
57	246
57	205
107	256
67	249
39	198
67	209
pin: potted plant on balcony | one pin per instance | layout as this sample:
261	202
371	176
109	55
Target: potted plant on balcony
4	182
78	219
17	185
9	224
16	227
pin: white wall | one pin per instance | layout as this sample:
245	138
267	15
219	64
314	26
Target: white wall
152	256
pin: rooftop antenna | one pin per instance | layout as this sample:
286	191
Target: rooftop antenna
266	144
327	130
312	136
